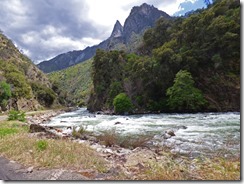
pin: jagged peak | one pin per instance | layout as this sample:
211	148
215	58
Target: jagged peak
117	30
144	8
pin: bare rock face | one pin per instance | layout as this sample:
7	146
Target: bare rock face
118	30
27	104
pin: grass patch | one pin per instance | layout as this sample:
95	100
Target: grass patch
197	169
53	154
11	127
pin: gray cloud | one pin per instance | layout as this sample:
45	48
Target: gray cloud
45	28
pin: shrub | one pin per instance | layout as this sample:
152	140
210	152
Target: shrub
134	142
41	145
80	132
111	138
108	137
122	103
16	115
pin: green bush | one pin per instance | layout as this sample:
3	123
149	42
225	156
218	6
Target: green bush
122	104
41	145
16	115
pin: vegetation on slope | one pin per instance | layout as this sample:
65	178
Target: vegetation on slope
206	45
18	72
73	84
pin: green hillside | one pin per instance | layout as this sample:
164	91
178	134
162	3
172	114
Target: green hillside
74	83
22	85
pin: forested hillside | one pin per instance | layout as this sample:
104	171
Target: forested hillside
73	84
22	85
185	65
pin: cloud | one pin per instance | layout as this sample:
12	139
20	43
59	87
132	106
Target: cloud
189	5
42	29
46	28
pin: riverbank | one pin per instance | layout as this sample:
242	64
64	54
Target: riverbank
116	162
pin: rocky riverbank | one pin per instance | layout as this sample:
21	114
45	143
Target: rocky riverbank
123	162
143	160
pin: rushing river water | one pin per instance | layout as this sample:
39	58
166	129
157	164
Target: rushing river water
204	133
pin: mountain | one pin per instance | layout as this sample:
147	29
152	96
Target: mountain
140	18
22	85
117	30
189	64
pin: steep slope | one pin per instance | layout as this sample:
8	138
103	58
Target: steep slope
74	83
140	18
30	88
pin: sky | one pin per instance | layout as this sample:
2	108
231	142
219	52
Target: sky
42	29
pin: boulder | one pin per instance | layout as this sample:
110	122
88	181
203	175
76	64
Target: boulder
36	128
166	136
170	132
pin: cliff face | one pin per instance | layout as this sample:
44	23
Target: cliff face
21	74
140	18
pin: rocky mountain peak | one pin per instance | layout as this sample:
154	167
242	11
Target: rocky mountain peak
143	9
117	30
141	18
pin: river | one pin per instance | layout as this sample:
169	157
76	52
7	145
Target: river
203	133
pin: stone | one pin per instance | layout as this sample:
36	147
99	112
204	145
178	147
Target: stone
170	132
182	127
30	169
117	123
108	151
89	173
167	136
36	128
